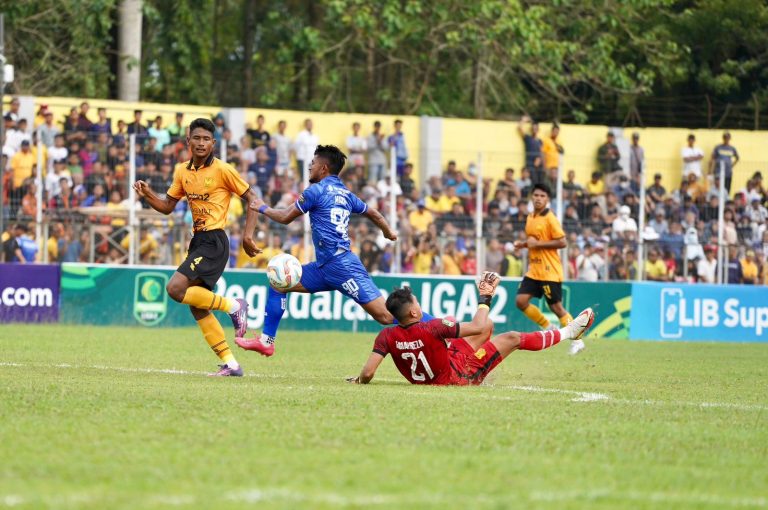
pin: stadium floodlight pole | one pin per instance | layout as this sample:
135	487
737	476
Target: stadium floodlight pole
223	151
39	195
641	223
132	201
479	246
305	180
720	222
393	207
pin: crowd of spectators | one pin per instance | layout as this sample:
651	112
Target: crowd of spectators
85	185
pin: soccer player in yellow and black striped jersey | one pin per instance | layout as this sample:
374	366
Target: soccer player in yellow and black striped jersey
208	184
545	270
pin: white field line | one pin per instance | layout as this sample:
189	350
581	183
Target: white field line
254	496
578	396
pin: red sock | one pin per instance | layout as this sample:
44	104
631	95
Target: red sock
539	340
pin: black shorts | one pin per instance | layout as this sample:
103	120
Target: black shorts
207	258
552	291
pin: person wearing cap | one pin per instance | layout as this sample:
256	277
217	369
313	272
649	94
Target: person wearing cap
512	265
420	219
749	270
724	155
624	226
40	116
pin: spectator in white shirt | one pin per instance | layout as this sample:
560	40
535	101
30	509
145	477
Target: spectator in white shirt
357	146
384	186
624	226
57	152
304	146
707	266
14	137
283	149
588	264
692	157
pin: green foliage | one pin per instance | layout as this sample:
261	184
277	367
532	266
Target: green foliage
574	59
59	47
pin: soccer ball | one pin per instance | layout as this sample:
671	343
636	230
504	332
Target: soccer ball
284	271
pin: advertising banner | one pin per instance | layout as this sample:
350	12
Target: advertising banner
97	294
29	293
732	313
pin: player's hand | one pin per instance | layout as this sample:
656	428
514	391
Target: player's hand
391	235
532	242
142	188
250	247
353	380
255	204
488	283
520	244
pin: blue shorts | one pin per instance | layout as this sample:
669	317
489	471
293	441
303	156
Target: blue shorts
344	273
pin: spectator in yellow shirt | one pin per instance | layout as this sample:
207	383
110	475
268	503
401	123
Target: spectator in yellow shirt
438	203
655	268
422	261
551	149
451	259
596	186
749	268
420	219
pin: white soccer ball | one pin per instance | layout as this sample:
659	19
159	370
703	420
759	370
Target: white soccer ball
284	271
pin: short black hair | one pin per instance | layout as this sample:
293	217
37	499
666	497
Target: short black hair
202	123
333	156
543	187
399	301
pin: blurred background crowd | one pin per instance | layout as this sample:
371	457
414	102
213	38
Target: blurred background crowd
85	160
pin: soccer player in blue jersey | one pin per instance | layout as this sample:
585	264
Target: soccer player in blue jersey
329	204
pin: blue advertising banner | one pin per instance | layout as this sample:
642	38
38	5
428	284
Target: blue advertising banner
732	313
29	293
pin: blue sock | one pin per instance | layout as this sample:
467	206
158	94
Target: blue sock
273	311
425	317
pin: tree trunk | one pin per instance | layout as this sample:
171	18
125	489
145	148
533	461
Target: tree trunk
129	51
249	33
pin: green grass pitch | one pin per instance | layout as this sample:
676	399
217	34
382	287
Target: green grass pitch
94	418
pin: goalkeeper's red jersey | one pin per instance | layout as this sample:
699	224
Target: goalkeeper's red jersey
420	350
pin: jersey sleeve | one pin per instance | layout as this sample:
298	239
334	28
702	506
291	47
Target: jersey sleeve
307	199
176	190
380	346
232	180
555	229
357	206
443	328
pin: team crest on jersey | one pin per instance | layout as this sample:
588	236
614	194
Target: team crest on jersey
208	182
448	323
480	354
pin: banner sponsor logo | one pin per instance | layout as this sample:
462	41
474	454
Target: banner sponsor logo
29	293
699	312
150	301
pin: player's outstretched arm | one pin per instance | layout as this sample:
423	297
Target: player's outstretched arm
164	205
251	216
376	217
284	216
486	288
369	369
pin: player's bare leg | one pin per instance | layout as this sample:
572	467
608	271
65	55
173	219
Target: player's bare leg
577	345
378	310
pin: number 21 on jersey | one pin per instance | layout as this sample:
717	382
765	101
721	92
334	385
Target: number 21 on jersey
418	376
